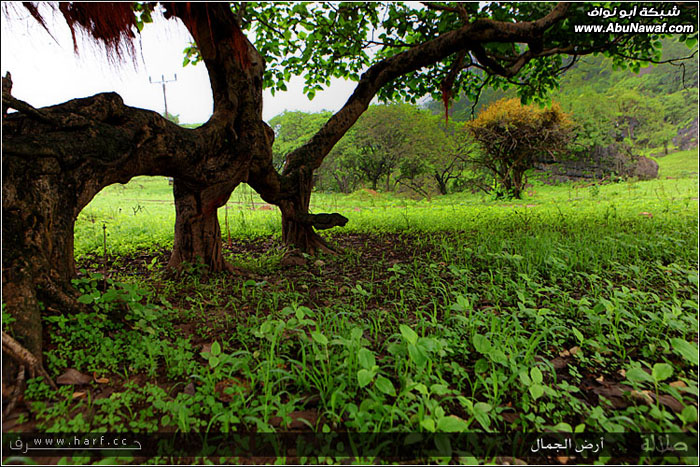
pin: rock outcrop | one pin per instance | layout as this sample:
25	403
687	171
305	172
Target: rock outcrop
615	160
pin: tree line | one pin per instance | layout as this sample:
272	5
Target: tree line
414	149
405	148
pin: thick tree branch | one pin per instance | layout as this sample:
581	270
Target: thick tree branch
459	9
311	154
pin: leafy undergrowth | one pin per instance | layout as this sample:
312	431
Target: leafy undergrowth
533	324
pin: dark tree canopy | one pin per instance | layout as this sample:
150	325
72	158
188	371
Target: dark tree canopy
57	158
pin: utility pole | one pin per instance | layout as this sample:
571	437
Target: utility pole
163	81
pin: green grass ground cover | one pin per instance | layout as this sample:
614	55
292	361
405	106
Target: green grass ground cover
141	214
575	309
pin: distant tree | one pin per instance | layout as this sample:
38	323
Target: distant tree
513	136
451	169
385	135
338	172
293	129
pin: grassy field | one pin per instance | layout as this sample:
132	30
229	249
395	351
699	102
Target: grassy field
574	309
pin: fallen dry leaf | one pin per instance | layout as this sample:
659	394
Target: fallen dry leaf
102	380
298	418
643	396
293	261
613	392
564	353
646	214
510	417
671	402
72	376
600	379
558	363
79	394
678	384
574	350
189	389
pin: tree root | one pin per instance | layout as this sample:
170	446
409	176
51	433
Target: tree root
325	247
18	390
23	356
58	296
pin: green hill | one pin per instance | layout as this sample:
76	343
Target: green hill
654	109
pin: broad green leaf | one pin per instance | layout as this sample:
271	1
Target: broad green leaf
415	437
452	424
661	371
319	338
686	350
481	344
439	389
481	410
536	375
417	354
364	377
213	361
215	348
366	358
428	424
408	334
689	414
536	390
442	443
498	356
421	388
385	386
637	375
524	378
356	333
85	299
563	426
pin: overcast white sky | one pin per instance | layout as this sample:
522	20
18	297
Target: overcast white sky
45	72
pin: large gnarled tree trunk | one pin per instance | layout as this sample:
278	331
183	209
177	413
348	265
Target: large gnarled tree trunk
55	160
197	231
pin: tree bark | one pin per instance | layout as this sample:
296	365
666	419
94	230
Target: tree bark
442	183
297	228
197	230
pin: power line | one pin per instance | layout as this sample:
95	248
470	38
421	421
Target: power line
163	81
